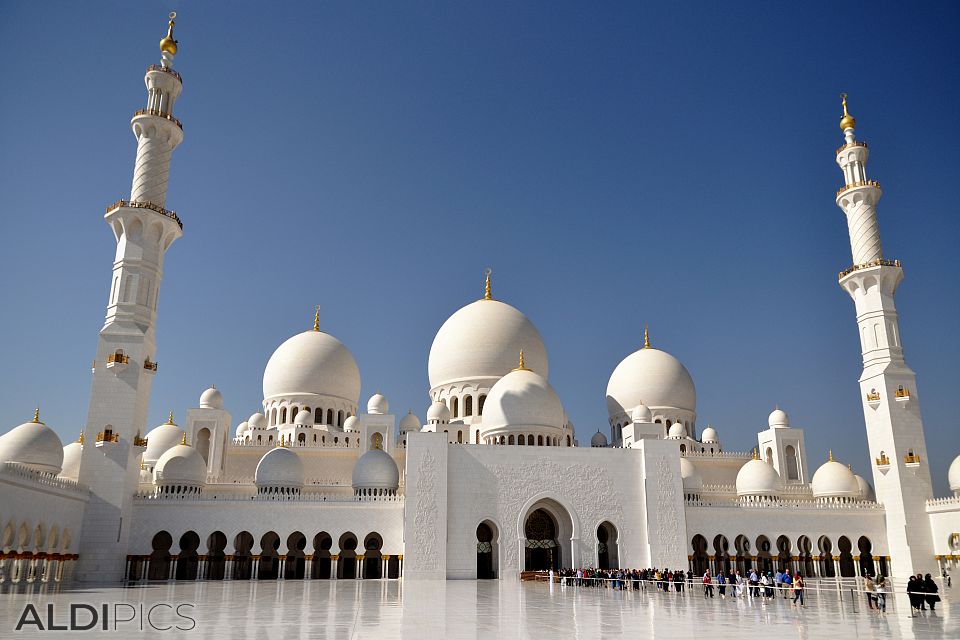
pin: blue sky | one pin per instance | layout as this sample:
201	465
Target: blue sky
616	164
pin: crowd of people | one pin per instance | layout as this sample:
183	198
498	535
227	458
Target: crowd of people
922	591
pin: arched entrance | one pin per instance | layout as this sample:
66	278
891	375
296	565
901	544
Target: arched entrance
700	558
294	566
160	558
242	558
269	568
321	556
721	554
847	568
867	567
189	560
764	560
607	551
827	567
216	558
486	556
744	561
542	549
805	557
372	560
347	563
784	555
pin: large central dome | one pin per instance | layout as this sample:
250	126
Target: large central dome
482	340
312	362
652	377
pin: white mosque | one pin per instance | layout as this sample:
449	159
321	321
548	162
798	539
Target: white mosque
493	482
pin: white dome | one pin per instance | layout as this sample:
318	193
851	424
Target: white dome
953	475
409	423
438	412
522	398
598	440
160	439
71	461
303	418
482	340
866	489
757	478
375	470
312	362
652	377
692	481
33	444
241	428
642	413
710	436
778	419
834	480
378	404
279	467
211	399
181	465
351	424
677	430
257	421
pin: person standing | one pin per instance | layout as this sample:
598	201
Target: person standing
786	581
707	585
778	579
914	594
722	585
798	590
930	590
881	594
871	589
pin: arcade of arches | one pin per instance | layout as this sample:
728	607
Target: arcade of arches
301	558
828	561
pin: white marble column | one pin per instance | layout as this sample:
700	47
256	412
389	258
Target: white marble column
308	568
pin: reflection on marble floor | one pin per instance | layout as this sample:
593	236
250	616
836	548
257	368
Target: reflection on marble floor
465	609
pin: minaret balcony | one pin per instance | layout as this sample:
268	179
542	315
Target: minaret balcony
139	443
855	143
149	366
883	462
117	362
142	204
911	460
873	398
868	265
165	116
854	185
107	438
902	395
159	67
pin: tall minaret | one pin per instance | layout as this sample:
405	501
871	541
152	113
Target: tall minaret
126	351
888	390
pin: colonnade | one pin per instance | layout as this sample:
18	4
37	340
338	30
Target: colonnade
36	567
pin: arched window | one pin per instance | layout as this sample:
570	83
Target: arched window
478	436
454	407
460	437
521	439
480	402
329	416
302	438
283	416
318	416
468	405
793	468
510	439
568	440
539	441
340	418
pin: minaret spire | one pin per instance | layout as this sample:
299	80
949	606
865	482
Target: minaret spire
646	336
891	405
486	289
316	319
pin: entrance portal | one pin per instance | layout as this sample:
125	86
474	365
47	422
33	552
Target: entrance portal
542	550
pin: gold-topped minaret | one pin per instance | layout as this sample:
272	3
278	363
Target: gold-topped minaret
847	121
168	44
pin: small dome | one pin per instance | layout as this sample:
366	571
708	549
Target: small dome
409	423
757	478
312	362
481	341
34	445
778	419
522	398
351	424
242	427
677	430
211	399
181	465
160	439
866	489
653	377
709	436
303	418
257	421
953	475
71	461
642	413
834	480
598	440
378	404
375	470
279	467
438	412
692	481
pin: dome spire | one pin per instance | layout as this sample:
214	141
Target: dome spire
80	439
168	44
184	440
316	319
36	416
756	456
170	417
646	336
522	366
830	456
486	289
847	121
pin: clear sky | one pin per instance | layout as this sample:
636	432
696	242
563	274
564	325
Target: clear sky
616	164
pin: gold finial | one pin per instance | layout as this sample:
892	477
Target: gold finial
756	456
847	121
80	439
170	417
316	319
646	336
168	44
142	466
281	442
486	289
850	466
36	416
184	440
830	456
522	366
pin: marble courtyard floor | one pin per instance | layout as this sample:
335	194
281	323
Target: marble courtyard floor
459	609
